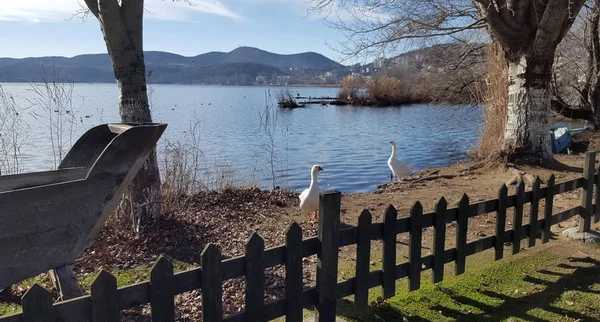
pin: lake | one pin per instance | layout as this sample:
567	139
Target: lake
350	143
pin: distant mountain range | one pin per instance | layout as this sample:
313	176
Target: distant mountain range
244	65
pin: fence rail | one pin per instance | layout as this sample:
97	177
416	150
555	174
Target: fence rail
106	300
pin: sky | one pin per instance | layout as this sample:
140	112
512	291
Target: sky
32	28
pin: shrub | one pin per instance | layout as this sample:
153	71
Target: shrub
383	91
492	94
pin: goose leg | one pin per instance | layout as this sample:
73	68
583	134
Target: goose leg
315	215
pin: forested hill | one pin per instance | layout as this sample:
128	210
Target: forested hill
241	65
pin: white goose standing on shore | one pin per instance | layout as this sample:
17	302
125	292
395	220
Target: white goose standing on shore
309	198
398	167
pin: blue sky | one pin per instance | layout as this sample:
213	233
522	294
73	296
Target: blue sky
45	28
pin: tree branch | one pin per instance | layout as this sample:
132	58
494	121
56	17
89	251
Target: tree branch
94	7
560	107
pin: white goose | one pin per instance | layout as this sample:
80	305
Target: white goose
398	167
309	198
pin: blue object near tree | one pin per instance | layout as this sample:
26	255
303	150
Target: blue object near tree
562	136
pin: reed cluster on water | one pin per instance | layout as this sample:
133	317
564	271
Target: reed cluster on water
383	91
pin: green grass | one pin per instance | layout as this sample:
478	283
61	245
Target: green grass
131	276
125	277
542	286
9	308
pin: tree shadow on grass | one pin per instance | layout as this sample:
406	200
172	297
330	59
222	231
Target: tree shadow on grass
379	313
550	291
585	272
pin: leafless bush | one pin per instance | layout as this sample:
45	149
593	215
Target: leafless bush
275	158
492	93
383	91
392	91
180	169
185	171
52	104
286	99
13	134
350	87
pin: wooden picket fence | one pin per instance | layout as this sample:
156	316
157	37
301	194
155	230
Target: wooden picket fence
106	300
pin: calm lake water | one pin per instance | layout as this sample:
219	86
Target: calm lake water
350	143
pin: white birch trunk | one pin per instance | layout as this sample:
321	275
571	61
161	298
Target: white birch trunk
134	108
529	32
527	128
121	23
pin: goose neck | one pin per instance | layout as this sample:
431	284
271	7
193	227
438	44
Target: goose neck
313	180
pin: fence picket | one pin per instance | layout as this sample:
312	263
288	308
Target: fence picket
533	216
518	217
293	274
597	212
461	234
389	252
161	291
548	209
327	256
585	217
37	305
255	279
212	291
363	259
105	300
500	223
439	241
414	247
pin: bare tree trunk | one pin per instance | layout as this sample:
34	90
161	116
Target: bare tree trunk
121	23
527	125
592	84
134	108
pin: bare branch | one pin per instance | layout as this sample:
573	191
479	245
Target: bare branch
94	7
377	25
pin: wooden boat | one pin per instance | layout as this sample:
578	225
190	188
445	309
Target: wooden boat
47	219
